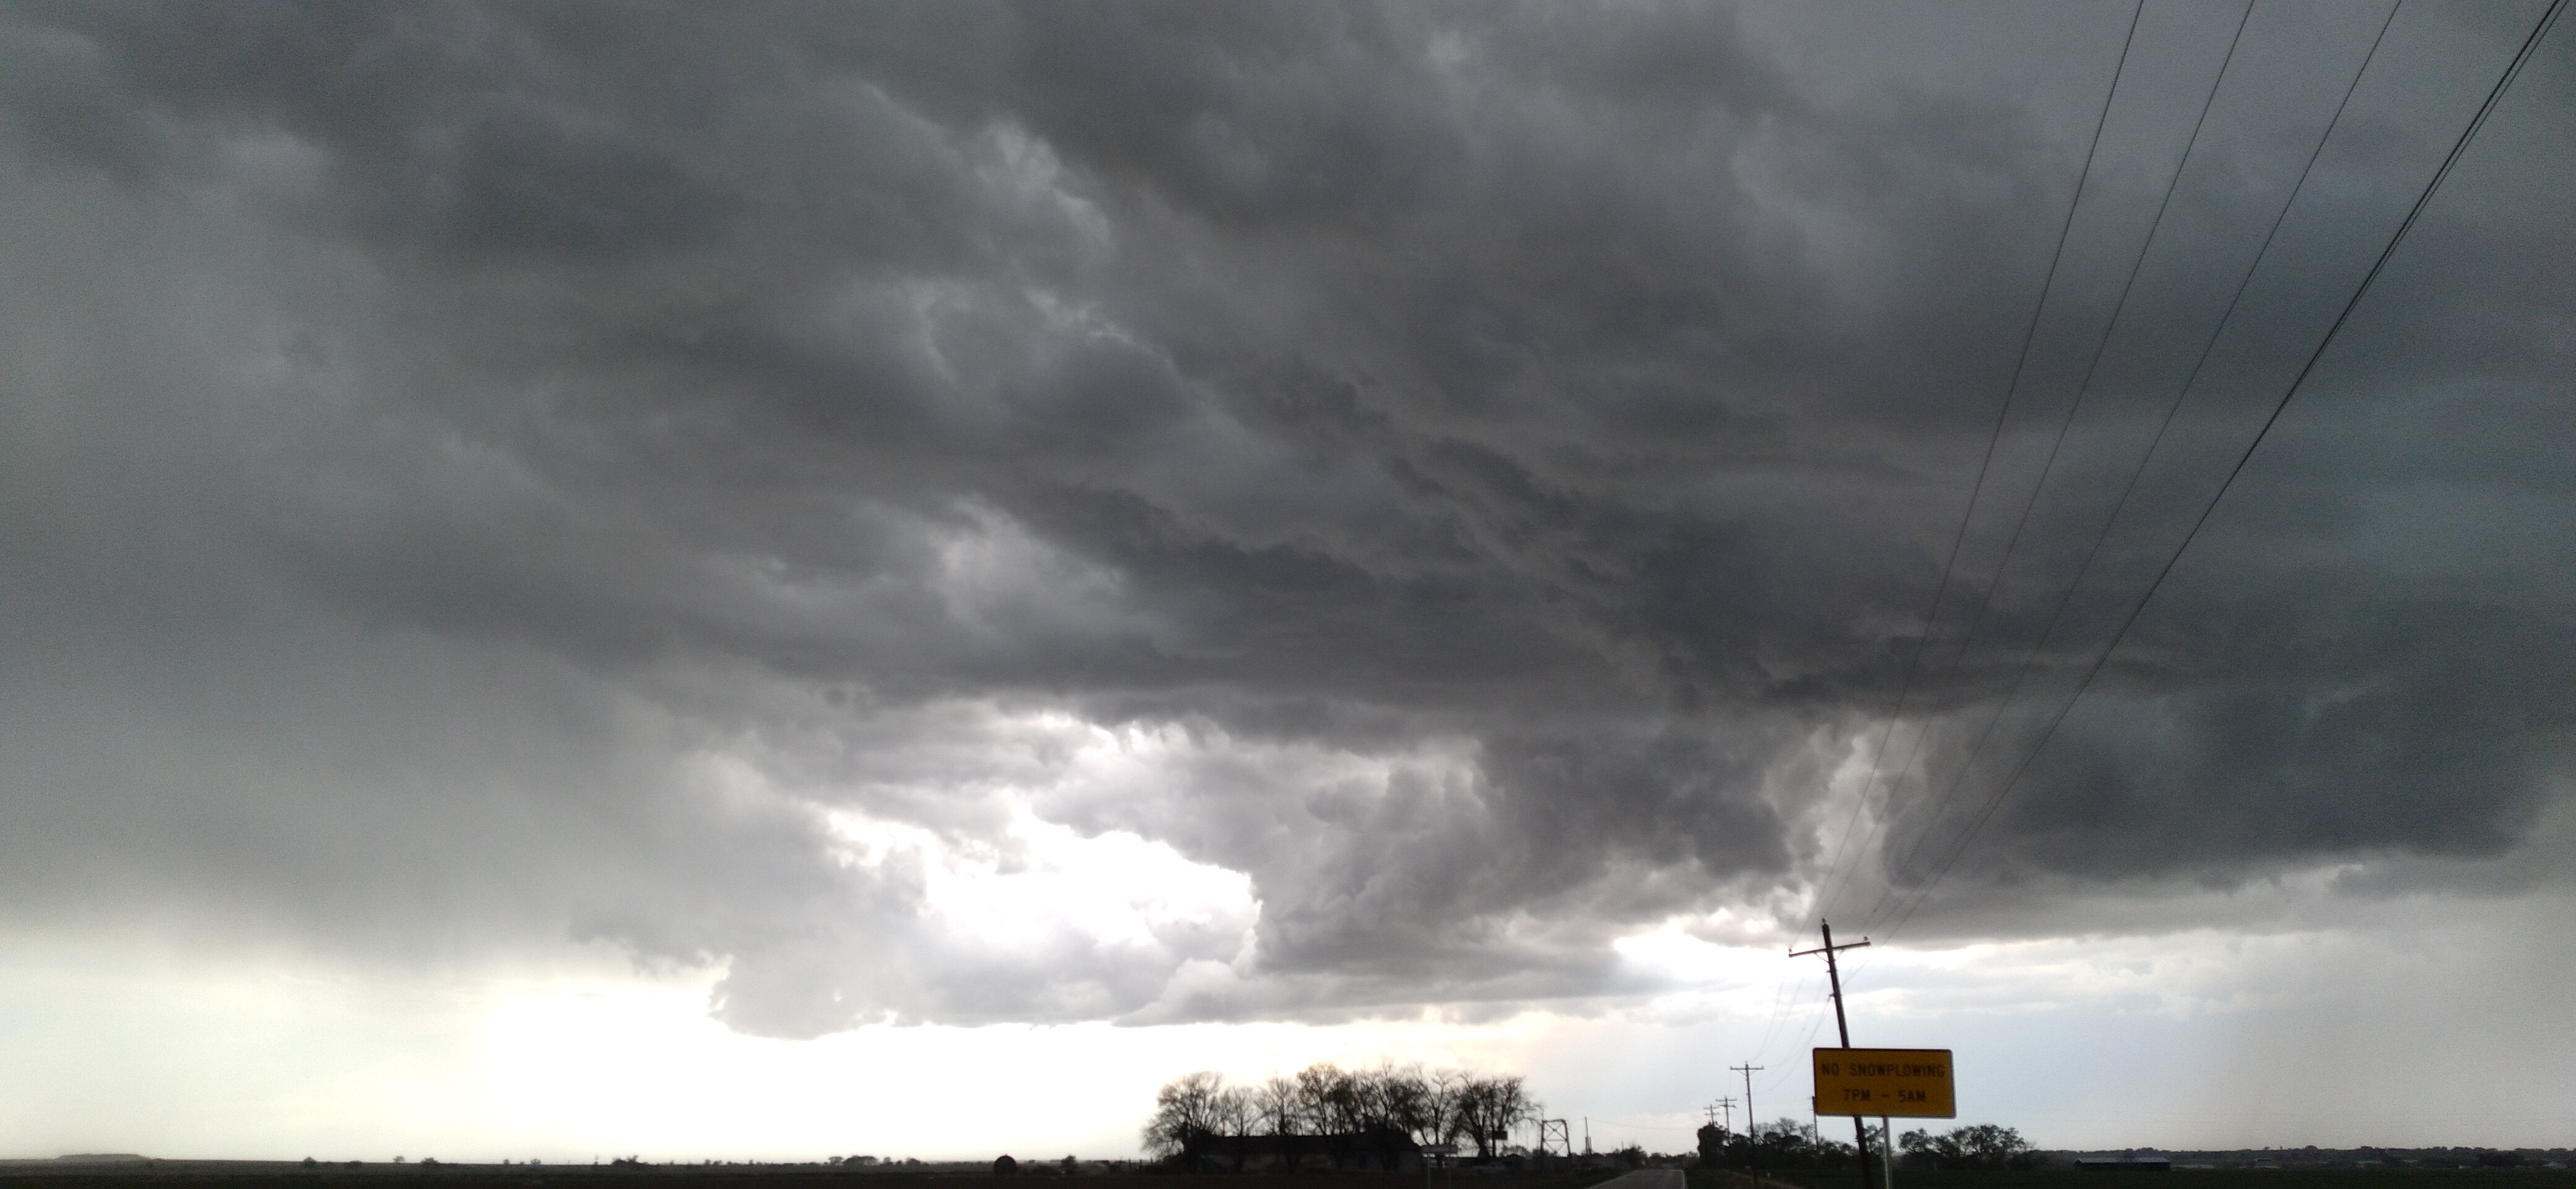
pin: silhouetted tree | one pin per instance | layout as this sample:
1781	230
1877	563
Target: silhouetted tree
1487	1108
1440	1120
1187	1105
1277	1103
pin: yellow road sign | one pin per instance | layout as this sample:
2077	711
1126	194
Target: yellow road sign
1896	1083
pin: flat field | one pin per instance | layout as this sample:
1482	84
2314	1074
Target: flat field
2190	1178
190	1174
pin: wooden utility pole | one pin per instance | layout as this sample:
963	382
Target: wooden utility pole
1752	1122
1834	973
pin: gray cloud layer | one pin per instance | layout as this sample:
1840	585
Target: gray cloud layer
1514	445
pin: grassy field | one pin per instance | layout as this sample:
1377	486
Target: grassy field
230	1175
2228	1178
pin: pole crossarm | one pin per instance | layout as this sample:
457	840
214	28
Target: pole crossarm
1863	943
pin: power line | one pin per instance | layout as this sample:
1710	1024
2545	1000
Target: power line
1804	1041
2048	467
2495	94
2172	408
1782	1003
1940	590
1765	1049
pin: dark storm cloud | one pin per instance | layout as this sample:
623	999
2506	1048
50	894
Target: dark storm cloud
1515	446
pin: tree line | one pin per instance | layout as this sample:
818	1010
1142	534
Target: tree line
1789	1144
1976	1146
1436	1106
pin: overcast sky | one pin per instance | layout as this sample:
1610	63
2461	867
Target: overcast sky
700	579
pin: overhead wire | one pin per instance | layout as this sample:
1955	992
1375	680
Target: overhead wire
2190	379
2538	34
1762	1051
1788	993
2531	43
2048	467
1834	866
1835	869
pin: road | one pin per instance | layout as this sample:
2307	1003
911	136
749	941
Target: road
1645	1178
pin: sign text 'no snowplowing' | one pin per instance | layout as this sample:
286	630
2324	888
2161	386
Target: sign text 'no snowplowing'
1896	1083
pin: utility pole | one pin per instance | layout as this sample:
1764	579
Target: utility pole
1752	1122
1834	973
1727	1105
